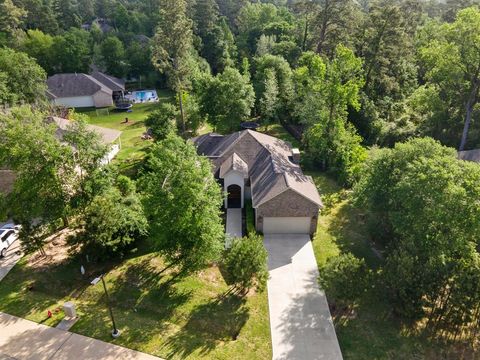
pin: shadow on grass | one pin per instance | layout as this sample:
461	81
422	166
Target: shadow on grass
145	288
349	228
219	320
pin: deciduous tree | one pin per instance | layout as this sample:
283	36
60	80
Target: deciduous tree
227	99
24	78
182	201
453	63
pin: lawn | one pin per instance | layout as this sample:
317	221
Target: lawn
157	312
133	147
278	131
374	333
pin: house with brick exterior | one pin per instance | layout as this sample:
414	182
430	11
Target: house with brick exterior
252	165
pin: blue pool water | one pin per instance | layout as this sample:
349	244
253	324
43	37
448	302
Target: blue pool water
144	95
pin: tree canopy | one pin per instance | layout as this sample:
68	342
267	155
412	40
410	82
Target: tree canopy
182	201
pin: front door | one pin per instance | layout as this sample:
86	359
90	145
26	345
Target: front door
234	196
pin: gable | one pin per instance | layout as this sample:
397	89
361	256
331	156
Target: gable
289	203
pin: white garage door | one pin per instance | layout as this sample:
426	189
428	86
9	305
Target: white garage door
76	102
286	225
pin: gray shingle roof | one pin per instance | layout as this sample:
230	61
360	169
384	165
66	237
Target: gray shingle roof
71	85
235	163
108	136
7	179
271	170
470	155
113	83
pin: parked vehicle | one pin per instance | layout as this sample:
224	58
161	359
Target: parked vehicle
7	238
12	226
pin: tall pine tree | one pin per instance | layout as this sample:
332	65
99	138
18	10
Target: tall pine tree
172	47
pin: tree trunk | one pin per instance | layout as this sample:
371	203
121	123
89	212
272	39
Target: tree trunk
470	104
65	221
182	115
323	32
468	118
305	35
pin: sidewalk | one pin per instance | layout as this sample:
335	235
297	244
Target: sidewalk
234	223
22	339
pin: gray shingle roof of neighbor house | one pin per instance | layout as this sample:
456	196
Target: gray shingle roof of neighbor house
470	155
113	83
108	136
271	170
78	84
7	178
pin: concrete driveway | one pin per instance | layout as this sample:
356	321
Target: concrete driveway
14	254
300	320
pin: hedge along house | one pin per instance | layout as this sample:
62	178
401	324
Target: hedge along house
82	91
252	165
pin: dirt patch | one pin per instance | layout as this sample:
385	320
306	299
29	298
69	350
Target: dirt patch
57	251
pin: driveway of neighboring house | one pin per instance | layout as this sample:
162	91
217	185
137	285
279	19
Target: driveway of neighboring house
234	223
22	339
300	321
14	254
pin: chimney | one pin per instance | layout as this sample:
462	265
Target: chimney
296	156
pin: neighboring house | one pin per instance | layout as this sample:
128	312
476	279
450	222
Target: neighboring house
82	90
470	155
7	178
252	165
109	137
101	23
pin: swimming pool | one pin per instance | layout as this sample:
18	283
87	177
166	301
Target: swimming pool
143	96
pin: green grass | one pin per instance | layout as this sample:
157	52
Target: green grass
375	333
158	312
250	217
278	131
133	147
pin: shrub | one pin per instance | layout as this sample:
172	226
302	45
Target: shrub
246	263
344	279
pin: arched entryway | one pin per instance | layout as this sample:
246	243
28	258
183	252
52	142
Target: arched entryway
234	199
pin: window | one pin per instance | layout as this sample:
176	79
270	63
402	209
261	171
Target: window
7	235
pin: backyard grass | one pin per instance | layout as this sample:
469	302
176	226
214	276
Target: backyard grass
374	333
157	312
278	131
133	147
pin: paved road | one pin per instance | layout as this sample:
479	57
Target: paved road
21	339
300	320
8	262
234	223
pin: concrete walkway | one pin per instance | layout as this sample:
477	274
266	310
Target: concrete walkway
21	339
234	223
300	320
8	262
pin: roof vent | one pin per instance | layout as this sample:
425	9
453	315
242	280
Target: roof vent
296	156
